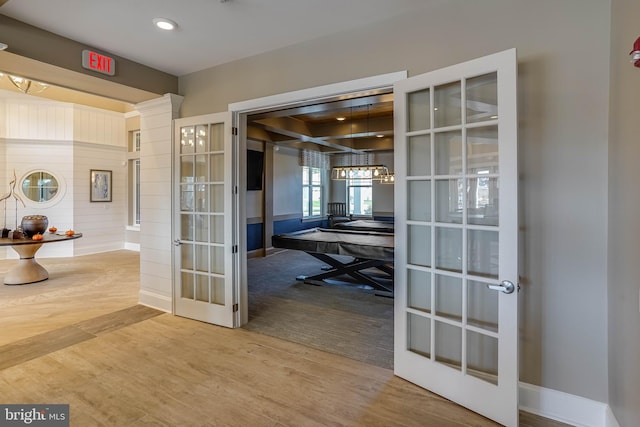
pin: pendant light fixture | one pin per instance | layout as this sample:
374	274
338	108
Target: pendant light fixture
26	85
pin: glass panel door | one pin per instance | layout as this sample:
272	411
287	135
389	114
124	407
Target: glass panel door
456	234
203	261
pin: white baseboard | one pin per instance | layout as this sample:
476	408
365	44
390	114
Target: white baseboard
610	419
565	407
132	246
157	301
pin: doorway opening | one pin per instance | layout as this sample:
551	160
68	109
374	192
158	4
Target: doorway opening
299	144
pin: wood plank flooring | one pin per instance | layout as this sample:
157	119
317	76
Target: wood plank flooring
119	364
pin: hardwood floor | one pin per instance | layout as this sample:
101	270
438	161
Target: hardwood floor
79	339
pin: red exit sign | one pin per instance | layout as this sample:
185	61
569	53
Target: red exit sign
97	62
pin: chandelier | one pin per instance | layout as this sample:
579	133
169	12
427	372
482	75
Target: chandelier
374	172
26	85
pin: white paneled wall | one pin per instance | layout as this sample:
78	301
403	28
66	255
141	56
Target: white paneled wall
98	126
39	120
101	223
3	118
156	134
66	140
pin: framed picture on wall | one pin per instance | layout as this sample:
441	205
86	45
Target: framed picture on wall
100	186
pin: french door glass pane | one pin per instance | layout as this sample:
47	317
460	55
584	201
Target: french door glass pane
482	98
446	107
482	253
217	228
216	200
187	135
186	169
202	287
419	155
419	200
186	229
448	297
201	138
217	287
482	150
419	244
202	199
186	255
187	285
448	153
419	290
217	259
201	223
419	334
482	201
448	344
217	167
201	172
482	306
419	117
449	249
202	258
482	356
187	197
217	137
449	200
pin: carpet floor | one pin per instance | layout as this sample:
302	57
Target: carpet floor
339	317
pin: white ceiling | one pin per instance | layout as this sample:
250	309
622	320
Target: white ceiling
210	32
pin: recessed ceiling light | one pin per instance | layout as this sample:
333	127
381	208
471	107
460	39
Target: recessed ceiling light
379	135
340	118
164	24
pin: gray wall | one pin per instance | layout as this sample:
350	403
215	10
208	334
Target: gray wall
624	217
563	54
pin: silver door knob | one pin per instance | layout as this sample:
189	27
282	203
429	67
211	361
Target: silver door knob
505	286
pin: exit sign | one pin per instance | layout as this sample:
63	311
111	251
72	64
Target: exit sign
97	62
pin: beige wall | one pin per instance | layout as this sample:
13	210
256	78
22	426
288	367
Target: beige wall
624	217
563	53
49	48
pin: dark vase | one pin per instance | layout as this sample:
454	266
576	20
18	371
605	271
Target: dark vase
34	224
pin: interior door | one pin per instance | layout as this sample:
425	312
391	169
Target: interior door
456	305
204	211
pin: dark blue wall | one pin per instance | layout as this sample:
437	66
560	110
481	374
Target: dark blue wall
254	231
254	236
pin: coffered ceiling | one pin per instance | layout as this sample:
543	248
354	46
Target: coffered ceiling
355	125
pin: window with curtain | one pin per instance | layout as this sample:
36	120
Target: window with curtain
311	192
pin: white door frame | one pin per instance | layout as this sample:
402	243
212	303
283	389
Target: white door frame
240	110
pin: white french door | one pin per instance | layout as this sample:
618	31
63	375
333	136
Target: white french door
456	303
204	219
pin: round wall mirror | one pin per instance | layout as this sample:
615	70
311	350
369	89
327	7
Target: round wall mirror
40	186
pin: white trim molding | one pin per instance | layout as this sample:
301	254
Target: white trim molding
155	300
132	246
567	408
333	89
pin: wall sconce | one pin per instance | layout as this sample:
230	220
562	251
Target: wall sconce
26	85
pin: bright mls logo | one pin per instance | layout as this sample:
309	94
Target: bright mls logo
34	415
